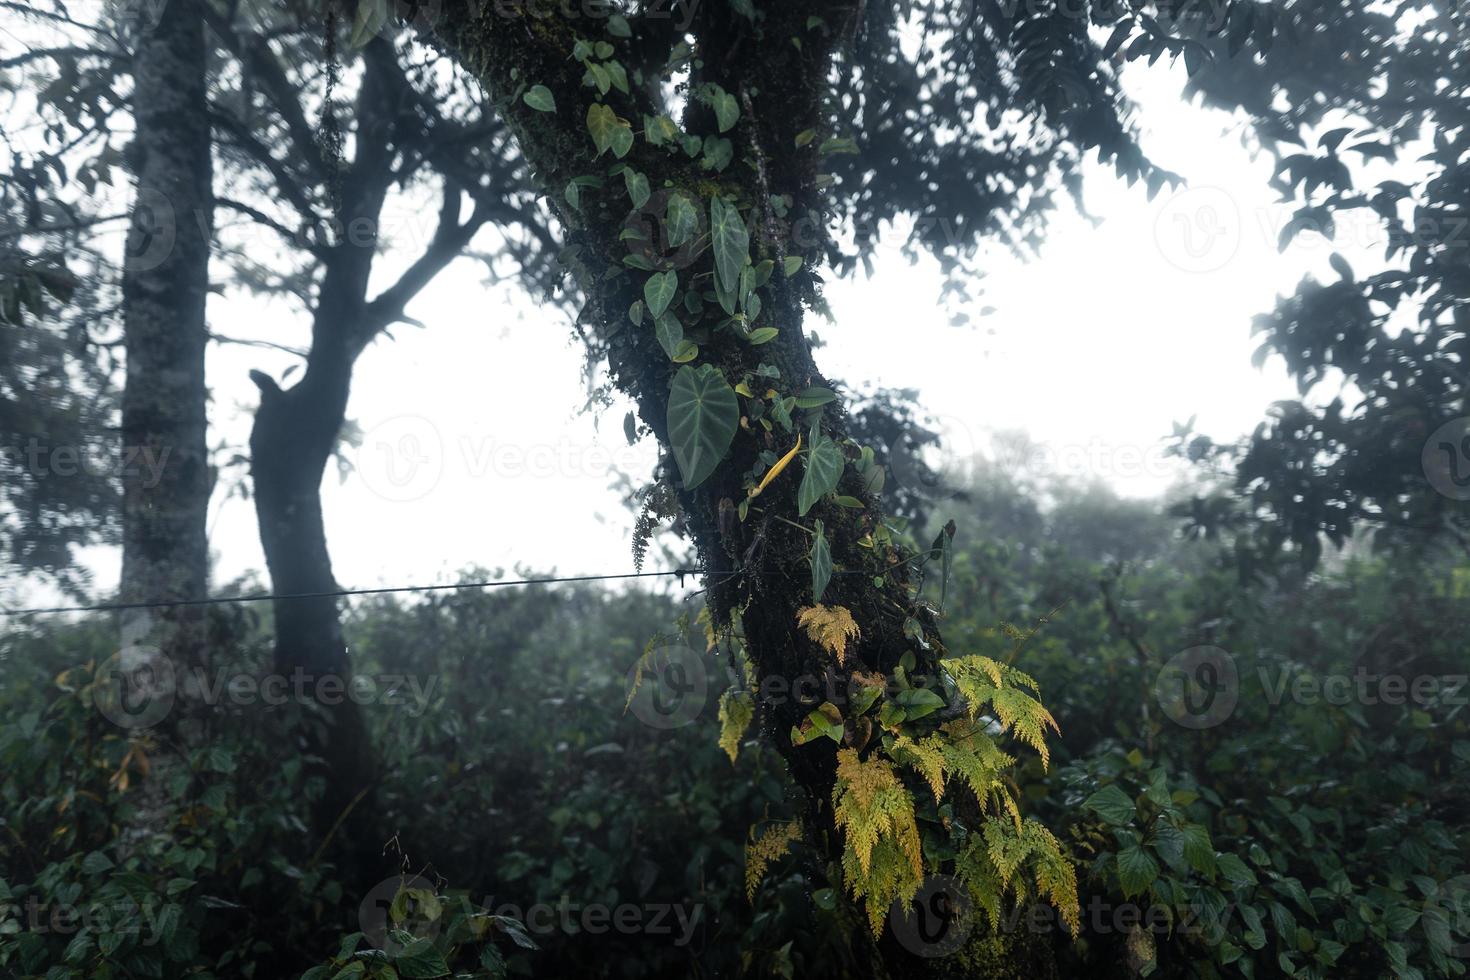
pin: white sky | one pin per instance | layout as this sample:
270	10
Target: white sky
1094	349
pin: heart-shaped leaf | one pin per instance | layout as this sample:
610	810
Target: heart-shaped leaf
824	464
602	123
821	562
539	97
637	185
679	220
703	416
658	291
731	243
670	333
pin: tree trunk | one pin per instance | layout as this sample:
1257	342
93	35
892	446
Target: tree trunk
290	443
756	567
167	482
596	150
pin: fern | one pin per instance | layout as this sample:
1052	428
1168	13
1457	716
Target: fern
766	849
982	681
1007	846
830	627
882	862
736	710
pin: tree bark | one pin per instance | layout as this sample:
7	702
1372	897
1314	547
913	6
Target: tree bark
165	282
757	568
292	438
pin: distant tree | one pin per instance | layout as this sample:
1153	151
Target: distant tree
1329	87
309	139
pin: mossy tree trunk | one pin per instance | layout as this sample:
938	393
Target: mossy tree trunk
165	283
763	89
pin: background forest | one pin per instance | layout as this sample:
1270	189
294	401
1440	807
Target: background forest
870	703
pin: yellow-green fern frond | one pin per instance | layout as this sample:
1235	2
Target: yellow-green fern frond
882	861
830	627
736	710
1008	847
982	681
765	849
927	756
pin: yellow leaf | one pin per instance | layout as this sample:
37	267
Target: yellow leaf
830	627
775	470
765	849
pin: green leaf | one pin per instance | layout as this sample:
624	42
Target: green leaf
730	240
602	122
617	26
539	97
635	313
762	335
918	702
824	464
599	77
1234	870
637	185
679	219
727	110
419	960
1198	849
812	397
718	152
790	264
659	290
820	558
622	140
660	129
670	333
370	18
1112	804
703	417
1136	870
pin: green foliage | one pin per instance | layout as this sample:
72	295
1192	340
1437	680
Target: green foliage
823	468
703	417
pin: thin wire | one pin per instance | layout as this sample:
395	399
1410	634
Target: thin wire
338	593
